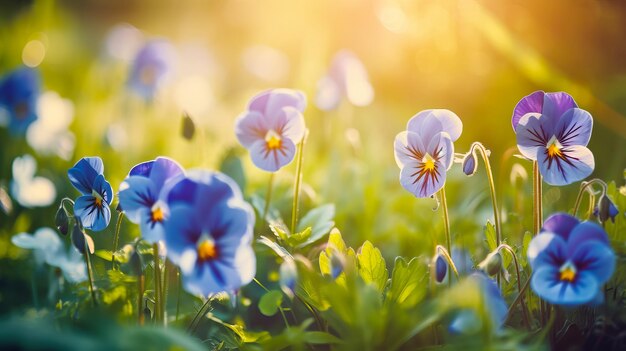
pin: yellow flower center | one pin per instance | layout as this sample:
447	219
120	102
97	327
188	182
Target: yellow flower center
429	163
157	215
554	148
567	273
273	140
98	198
207	250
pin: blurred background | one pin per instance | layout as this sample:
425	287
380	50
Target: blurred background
476	58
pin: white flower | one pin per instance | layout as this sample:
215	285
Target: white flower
28	190
49	134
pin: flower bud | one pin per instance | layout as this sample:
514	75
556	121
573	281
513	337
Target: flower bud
492	264
62	221
336	265
469	164
605	209
441	268
135	263
80	240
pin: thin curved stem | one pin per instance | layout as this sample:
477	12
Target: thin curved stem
280	308
268	196
446	254
585	186
158	307
141	280
116	238
298	180
178	287
519	281
205	305
492	188
446	219
92	290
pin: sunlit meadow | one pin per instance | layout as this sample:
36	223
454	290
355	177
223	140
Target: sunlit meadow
321	175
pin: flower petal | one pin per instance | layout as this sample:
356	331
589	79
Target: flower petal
328	94
596	258
585	232
164	169
556	104
142	169
84	173
272	160
532	133
574	127
547	249
422	184
102	187
292	124
442	149
250	127
408	147
532	103
546	284
136	193
560	224
425	124
182	231
152	232
576	163
270	102
90	215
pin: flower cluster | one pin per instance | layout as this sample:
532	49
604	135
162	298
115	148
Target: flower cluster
570	261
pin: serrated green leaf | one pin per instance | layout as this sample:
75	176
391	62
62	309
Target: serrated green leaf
335	241
320	219
490	235
372	266
409	282
299	238
270	302
279	231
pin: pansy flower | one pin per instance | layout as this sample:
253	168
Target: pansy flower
19	91
467	321
151	67
424	152
92	208
142	195
570	261
272	127
30	190
553	131
209	233
346	78
50	133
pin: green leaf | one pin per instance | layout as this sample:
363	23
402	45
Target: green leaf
232	166
117	277
242	334
318	337
409	282
372	266
299	238
279	250
106	255
490	235
320	219
270	302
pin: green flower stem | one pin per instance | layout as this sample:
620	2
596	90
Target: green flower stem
268	196
166	269
178	287
496	211
116	238
280	308
586	186
446	219
538	220
205	307
90	275
158	313
519	282
141	281
298	180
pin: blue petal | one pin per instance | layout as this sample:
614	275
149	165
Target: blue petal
532	103
137	193
142	169
574	128
212	277
556	104
84	173
230	224
90	215
546	284
561	224
422	184
576	164
201	184
182	231
584	232
163	170
595	258
547	249
533	132
272	160
465	322
103	188
152	232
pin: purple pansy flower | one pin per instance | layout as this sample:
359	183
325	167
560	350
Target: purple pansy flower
553	131
272	127
92	208
19	91
151	67
570	261
142	195
424	152
209	233
347	77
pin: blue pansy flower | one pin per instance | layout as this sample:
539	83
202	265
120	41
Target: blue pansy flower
151	67
467	321
142	195
209	233
425	151
19	91
92	208
553	131
571	260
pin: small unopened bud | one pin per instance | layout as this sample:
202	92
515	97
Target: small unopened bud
469	164
492	264
605	209
336	265
62	221
135	263
288	277
81	240
441	268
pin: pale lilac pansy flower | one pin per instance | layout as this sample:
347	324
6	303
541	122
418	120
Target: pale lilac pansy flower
347	78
